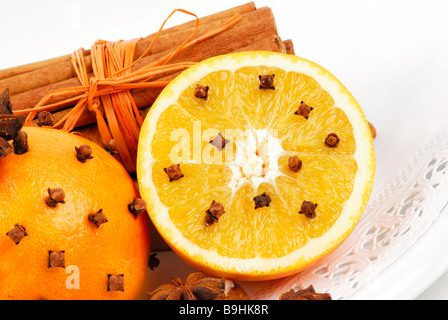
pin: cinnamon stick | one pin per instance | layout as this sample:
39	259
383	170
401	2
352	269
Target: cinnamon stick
28	77
14	71
255	26
145	97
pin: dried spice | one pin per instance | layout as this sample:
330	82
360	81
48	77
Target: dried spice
55	196
9	123
56	259
304	110
45	118
83	153
137	206
112	147
201	91
332	140
17	233
262	200
115	283
267	81
5	147
305	294
5	103
215	211
97	218
196	287
294	163
219	141
20	143
308	209
174	172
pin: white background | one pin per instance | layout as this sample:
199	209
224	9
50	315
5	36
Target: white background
392	55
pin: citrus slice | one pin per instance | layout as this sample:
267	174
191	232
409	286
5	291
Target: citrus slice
255	165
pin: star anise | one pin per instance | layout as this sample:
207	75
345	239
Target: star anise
196	287
10	124
305	294
5	103
5	148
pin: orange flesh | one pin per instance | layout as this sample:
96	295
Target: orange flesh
235	101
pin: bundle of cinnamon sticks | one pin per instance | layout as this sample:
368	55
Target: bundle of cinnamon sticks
256	30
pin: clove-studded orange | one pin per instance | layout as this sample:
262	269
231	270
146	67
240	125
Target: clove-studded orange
293	134
69	228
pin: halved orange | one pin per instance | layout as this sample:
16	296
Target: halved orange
234	148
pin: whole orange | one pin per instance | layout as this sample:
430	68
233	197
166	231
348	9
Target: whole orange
84	242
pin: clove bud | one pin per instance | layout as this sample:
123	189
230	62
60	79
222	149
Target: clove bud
137	206
112	147
294	163
45	118
20	142
215	211
308	209
201	91
56	259
97	218
17	233
332	140
174	172
115	283
83	153
262	200
304	110
219	141
55	196
267	81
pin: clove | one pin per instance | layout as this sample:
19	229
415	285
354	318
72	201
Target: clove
83	153
215	211
20	143
17	233
115	283
201	91
267	81
308	209
262	200
55	196
45	119
56	259
304	110
219	141
137	206
97	218
174	172
332	140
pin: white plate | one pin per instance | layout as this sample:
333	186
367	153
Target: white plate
417	269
